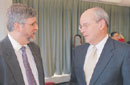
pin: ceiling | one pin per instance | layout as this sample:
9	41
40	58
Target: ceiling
114	2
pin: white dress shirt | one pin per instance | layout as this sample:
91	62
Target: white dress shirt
99	47
30	57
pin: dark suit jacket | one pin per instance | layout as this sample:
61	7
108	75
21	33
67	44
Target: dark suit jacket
13	75
2	71
113	67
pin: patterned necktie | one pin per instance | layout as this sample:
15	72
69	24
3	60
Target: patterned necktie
90	64
30	77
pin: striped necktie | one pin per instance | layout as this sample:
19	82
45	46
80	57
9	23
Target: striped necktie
30	77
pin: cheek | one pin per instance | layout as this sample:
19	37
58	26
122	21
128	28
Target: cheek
90	31
93	32
33	29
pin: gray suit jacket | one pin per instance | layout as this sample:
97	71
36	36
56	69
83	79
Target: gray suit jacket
13	75
113	67
2	71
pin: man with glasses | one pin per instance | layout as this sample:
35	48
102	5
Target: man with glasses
21	56
101	60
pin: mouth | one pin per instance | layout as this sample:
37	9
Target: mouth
85	35
33	34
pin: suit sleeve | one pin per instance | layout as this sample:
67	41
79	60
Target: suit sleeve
126	69
73	79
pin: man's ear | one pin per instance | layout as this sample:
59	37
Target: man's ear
102	24
17	26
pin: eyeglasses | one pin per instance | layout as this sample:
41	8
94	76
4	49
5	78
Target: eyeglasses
33	24
85	25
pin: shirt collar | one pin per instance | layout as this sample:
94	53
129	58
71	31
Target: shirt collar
14	43
101	44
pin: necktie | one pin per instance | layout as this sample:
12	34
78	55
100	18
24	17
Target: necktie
30	77
90	64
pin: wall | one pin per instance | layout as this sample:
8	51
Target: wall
4	5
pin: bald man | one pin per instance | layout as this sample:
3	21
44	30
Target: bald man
110	62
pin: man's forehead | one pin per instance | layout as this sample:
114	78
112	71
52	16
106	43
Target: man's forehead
87	15
88	11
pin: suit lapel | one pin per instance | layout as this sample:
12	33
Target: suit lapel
37	57
103	60
81	54
12	62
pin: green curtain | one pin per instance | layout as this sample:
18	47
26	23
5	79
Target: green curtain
58	23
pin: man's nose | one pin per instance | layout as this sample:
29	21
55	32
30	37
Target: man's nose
36	26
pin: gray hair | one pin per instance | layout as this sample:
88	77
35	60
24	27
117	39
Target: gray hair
99	14
18	13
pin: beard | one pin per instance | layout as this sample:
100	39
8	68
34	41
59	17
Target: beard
31	38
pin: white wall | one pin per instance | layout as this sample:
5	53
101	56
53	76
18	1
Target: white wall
4	5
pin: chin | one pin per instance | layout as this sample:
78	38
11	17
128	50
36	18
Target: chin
86	40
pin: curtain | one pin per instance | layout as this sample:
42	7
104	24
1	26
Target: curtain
58	22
